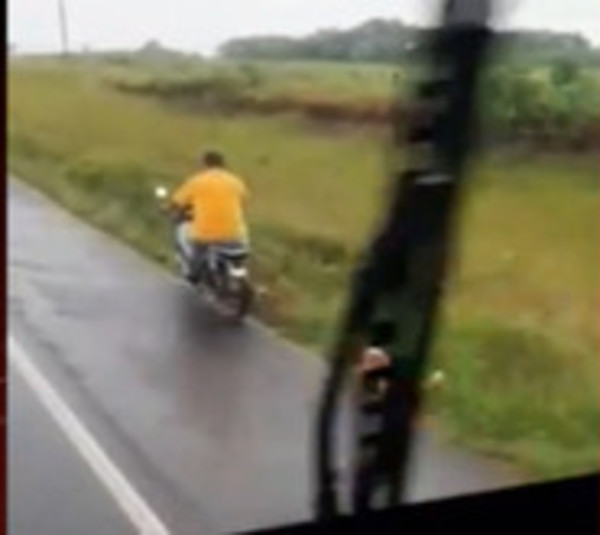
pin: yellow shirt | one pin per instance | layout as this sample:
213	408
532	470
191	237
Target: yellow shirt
216	201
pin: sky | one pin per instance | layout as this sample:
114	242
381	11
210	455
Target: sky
201	25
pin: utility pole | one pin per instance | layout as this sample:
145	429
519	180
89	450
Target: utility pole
64	30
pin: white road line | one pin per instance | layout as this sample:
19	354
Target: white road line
127	497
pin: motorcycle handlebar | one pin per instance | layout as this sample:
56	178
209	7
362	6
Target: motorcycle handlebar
178	215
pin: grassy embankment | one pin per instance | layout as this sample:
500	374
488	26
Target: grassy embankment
519	343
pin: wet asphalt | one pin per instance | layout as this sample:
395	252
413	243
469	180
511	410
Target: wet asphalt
52	490
212	423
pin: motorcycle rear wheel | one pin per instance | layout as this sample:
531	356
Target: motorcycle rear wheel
239	301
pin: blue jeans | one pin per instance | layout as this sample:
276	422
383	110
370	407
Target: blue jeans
194	253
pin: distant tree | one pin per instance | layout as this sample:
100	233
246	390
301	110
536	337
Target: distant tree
564	71
153	45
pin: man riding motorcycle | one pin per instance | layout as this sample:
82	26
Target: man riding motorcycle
213	199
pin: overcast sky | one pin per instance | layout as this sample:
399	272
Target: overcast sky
201	25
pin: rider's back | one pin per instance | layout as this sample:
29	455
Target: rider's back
216	199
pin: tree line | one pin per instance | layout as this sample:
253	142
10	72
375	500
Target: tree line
383	40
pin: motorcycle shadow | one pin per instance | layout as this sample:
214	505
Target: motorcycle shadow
201	317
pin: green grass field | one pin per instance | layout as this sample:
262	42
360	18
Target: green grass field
519	343
303	78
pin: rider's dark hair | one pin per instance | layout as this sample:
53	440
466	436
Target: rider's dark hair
213	158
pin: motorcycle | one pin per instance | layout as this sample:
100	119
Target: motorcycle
218	270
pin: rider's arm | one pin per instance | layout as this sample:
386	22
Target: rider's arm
178	202
182	196
181	199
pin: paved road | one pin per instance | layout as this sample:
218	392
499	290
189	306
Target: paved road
211	425
52	490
